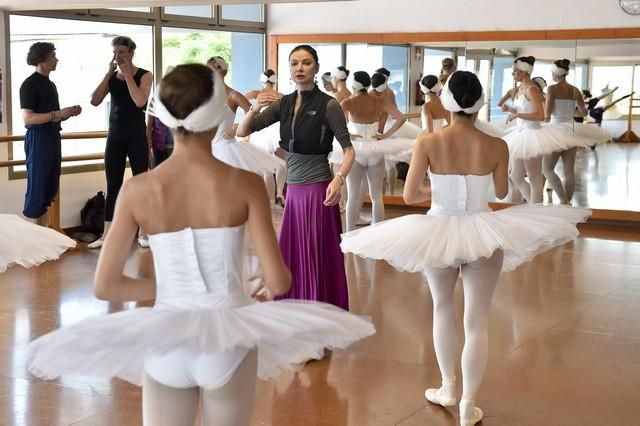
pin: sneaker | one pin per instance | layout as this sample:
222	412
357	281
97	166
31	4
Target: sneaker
143	242
96	244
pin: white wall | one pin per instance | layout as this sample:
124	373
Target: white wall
378	16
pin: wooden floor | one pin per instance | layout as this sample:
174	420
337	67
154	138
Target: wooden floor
564	346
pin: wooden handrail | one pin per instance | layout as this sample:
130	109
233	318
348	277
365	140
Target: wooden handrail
84	157
74	135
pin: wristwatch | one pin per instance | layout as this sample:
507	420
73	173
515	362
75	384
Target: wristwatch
341	177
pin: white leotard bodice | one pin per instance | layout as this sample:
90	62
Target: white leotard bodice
225	124
455	195
199	266
563	110
522	104
365	131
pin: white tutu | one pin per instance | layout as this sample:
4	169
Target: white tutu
412	242
590	134
26	244
489	128
268	138
246	156
408	130
285	333
459	228
200	308
369	150
530	142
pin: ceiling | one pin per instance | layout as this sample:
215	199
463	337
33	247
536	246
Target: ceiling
96	4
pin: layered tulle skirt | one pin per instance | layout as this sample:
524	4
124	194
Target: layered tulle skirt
268	138
370	152
285	334
26	244
413	242
590	134
246	156
529	142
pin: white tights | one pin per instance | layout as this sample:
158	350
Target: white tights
532	168
565	192
230	404
375	178
479	279
392	176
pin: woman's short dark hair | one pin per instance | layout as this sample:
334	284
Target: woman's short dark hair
269	72
39	52
124	41
363	78
185	88
563	63
429	81
378	79
448	64
466	89
528	59
586	93
310	50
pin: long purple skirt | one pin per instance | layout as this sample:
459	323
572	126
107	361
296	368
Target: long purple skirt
310	246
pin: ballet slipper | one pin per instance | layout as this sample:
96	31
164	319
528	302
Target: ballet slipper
476	413
436	396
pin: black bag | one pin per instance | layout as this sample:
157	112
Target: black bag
403	169
92	214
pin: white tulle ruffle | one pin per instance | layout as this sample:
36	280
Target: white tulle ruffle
286	333
527	142
590	134
27	244
267	138
246	156
412	242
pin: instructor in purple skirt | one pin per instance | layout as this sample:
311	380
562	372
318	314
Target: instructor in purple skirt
311	225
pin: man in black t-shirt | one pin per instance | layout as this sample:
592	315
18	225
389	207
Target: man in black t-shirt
42	116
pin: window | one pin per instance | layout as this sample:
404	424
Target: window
132	9
242	12
243	51
199	11
606	77
502	83
329	55
369	57
77	74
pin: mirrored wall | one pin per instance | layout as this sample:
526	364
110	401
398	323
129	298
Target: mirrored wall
607	70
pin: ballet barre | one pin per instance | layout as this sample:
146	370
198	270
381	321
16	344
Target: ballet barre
54	210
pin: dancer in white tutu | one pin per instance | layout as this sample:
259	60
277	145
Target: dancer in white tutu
461	236
364	112
529	141
434	116
269	138
408	130
27	244
204	342
561	103
242	155
339	82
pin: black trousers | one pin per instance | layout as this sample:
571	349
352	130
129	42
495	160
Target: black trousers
122	142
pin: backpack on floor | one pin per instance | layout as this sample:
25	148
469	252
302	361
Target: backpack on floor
92	214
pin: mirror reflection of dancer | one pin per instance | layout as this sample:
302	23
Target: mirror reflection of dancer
327	83
311	224
242	155
269	138
461	237
204	343
529	141
339	82
561	103
364	113
129	87
42	116
434	116
596	112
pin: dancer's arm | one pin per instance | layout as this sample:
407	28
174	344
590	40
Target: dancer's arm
335	117
399	118
505	98
604	95
606	107
501	172
102	90
414	190
110	283
537	114
549	103
240	101
277	278
255	120
582	107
